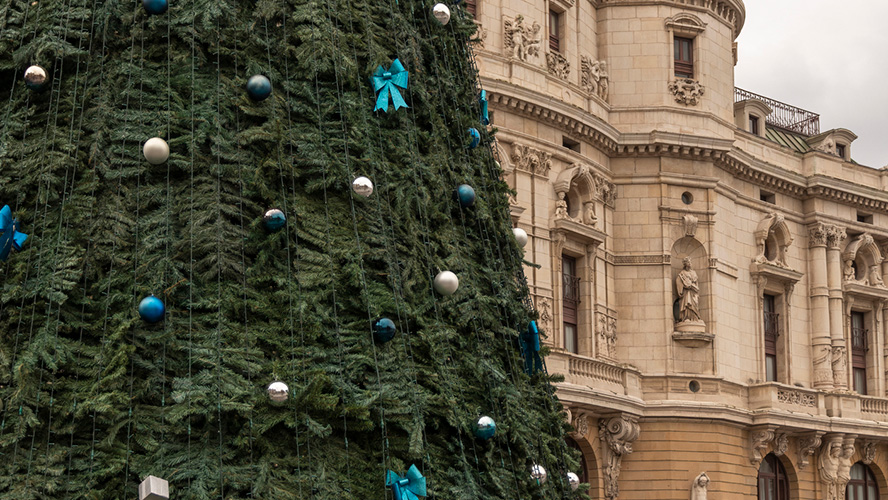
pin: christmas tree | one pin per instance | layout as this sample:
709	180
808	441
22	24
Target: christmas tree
103	385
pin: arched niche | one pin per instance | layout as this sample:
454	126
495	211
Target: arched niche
861	261
772	240
688	331
576	187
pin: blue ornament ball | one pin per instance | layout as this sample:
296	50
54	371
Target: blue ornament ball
258	87
475	138
485	428
384	330
155	7
151	309
466	195
274	219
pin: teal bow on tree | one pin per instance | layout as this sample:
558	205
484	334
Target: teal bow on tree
410	487
485	116
9	238
386	82
530	348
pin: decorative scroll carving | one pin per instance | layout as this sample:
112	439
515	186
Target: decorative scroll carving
607	336
839	365
817	235
605	190
869	452
807	446
522	41
594	77
617	435
759	441
690	224
686	91
781	444
828	146
581	424
543	306
531	159
800	398
823	364
772	230
557	65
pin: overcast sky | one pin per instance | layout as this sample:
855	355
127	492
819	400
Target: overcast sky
824	56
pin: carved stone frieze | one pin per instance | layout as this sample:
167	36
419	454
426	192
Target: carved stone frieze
594	77
788	396
607	336
557	65
634	260
617	435
807	445
686	91
759	440
521	42
531	159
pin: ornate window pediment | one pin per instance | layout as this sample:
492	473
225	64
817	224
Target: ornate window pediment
861	267
685	23
772	240
578	188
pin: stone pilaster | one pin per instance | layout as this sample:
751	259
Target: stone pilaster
835	236
820	334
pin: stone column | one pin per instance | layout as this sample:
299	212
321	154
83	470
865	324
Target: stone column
835	236
820	336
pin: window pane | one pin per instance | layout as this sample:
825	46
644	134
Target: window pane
872	492
771	368
858	471
860	380
570	338
677	51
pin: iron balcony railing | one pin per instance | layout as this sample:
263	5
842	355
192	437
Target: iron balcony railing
783	115
771	322
858	339
571	285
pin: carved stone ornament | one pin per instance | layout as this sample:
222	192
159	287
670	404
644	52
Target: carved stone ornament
830	456
839	366
690	225
807	446
781	444
580	423
686	91
788	396
772	228
594	77
521	42
835	235
869	452
543	307
699	487
617	435
759	441
557	65
607	336
823	374
531	160
480	38
817	235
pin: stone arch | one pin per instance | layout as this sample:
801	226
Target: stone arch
792	476
576	186
772	240
879	473
588	444
690	247
685	23
861	261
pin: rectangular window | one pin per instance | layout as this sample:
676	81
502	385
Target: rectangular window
570	295
865	218
840	150
570	144
767	197
472	8
858	351
753	125
771	331
554	31
684	57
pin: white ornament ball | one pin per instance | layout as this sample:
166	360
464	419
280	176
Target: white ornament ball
441	13
446	283
278	391
520	236
362	186
538	472
156	150
573	480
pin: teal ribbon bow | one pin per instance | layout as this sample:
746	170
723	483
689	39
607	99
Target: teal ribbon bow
386	82
530	348
485	115
10	239
410	487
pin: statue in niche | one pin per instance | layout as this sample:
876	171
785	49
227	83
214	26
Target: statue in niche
698	488
848	272
589	217
689	294
602	82
561	207
875	277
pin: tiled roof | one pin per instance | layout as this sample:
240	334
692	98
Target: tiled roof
785	138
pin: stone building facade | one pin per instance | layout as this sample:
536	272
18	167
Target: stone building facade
711	265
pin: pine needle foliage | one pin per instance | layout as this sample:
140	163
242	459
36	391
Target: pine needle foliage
95	399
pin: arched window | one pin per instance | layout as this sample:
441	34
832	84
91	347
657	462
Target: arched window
862	485
772	482
583	475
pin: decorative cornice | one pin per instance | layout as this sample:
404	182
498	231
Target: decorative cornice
732	12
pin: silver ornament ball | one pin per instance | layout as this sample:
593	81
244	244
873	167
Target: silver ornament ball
35	77
278	391
156	150
441	13
362	186
538	472
520	236
573	480
446	283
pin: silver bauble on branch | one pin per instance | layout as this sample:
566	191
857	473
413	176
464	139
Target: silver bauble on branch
446	283
573	480
441	13
520	236
362	186
278	391
538	472
156	150
36	77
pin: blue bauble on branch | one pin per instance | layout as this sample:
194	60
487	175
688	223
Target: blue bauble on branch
274	219
466	195
485	428
151	309
384	330
155	7
475	138
258	87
